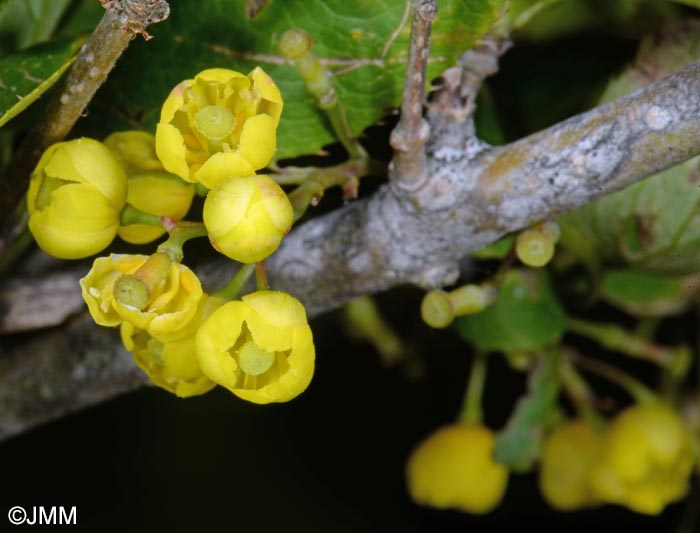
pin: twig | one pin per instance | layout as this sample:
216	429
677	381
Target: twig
121	21
408	168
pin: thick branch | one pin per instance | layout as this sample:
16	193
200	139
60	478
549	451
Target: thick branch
61	371
474	197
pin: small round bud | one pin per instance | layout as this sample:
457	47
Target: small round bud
436	309
534	248
76	193
295	43
247	217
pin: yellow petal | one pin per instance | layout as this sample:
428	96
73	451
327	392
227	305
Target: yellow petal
215	337
170	147
220	75
221	166
174	101
258	140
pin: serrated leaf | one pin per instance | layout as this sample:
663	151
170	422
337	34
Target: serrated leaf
518	444
25	76
526	316
642	293
363	43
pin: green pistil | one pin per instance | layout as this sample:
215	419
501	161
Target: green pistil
254	360
131	291
214	122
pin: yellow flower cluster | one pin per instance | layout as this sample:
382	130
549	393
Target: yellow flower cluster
216	130
261	347
642	460
453	468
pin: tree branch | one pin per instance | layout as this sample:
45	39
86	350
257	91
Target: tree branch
62	371
477	194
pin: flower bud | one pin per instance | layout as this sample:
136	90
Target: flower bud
152	293
247	217
260	347
568	455
218	125
646	459
453	468
75	196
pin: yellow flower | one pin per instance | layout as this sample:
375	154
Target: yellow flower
568	455
646	459
135	150
453	468
171	364
151	292
75	196
246	218
149	188
260	347
156	193
221	124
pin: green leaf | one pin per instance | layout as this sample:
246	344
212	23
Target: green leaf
642	293
652	226
25	76
363	43
27	22
526	316
518	444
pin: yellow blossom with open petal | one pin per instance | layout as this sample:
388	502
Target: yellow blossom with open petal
75	196
453	468
246	218
647	456
171	363
218	125
567	458
151	292
260	348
